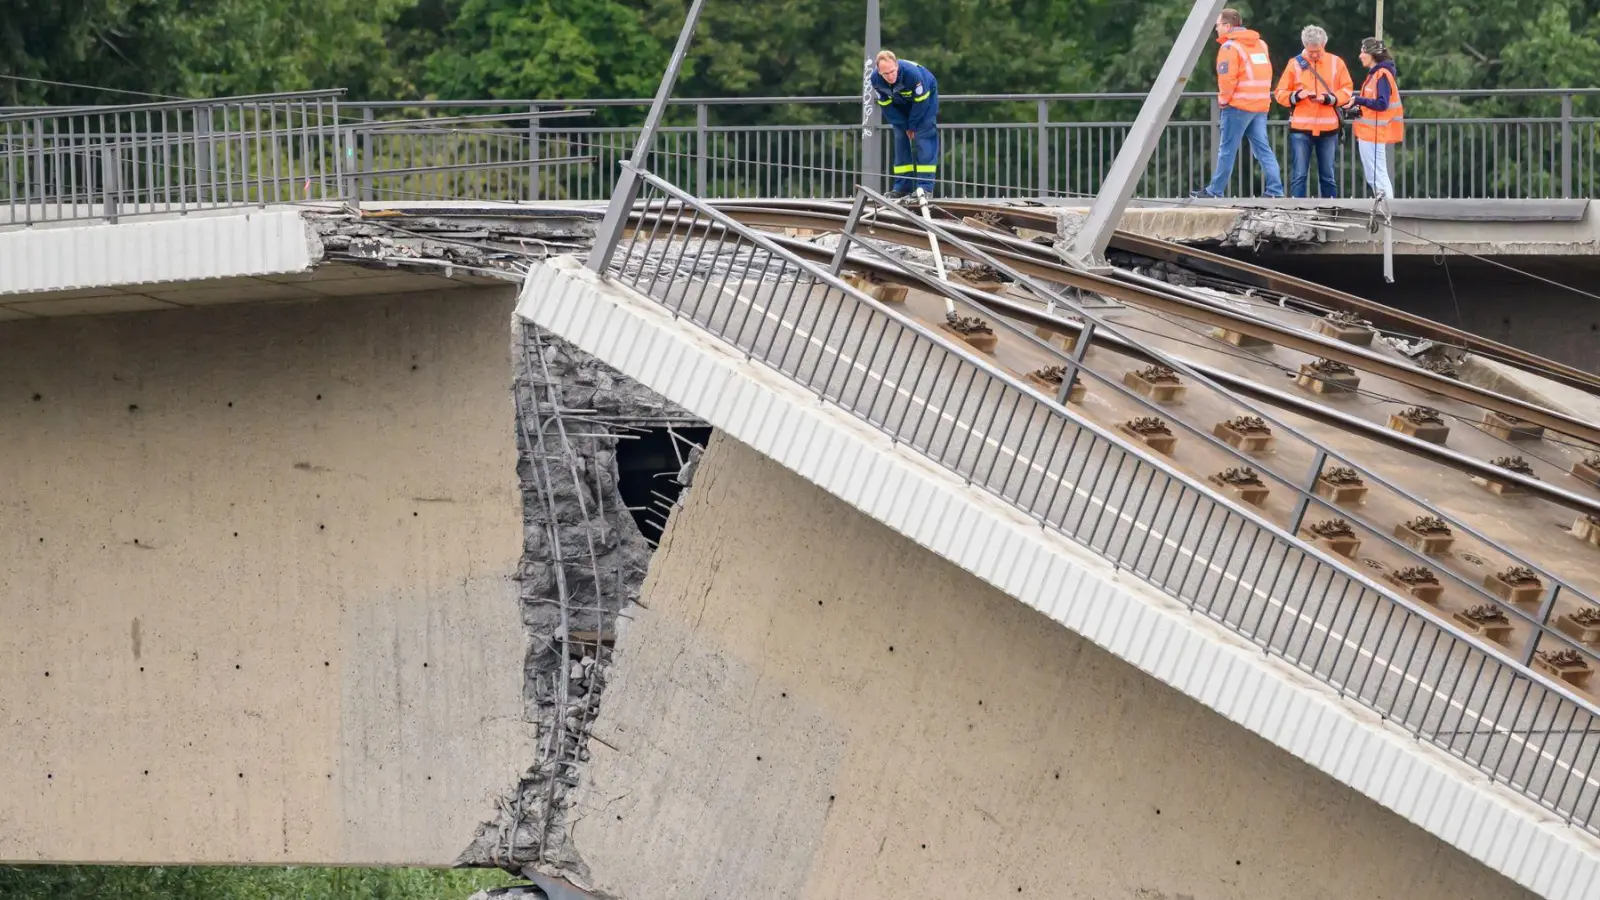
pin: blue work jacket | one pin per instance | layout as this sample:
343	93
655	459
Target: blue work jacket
912	102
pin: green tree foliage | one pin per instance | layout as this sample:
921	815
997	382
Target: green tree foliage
218	883
197	48
547	48
540	49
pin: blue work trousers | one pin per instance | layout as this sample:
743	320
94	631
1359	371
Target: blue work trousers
1238	126
916	162
1302	144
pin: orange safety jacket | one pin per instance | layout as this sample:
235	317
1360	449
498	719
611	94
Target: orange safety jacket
1389	126
1311	114
1244	71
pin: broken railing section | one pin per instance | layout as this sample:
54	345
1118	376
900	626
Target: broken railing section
945	399
583	564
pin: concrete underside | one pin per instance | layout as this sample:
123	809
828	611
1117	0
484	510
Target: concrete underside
811	705
256	582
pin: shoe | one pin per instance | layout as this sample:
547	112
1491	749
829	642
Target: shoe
1204	194
1271	196
897	195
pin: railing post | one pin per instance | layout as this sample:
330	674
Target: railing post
535	189
1303	502
1043	151
1546	607
203	188
871	138
37	165
1566	145
850	221
366	158
1210	161
110	180
1079	351
627	188
1133	157
702	133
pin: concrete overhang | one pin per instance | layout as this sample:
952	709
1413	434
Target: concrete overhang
990	539
200	259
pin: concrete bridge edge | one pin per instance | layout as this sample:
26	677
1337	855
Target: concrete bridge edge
1047	572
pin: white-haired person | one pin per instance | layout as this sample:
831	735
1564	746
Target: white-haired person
1314	85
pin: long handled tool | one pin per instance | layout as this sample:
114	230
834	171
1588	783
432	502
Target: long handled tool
933	241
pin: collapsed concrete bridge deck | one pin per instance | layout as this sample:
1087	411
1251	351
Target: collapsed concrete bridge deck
664	767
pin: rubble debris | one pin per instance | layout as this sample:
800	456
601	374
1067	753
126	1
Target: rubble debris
584	562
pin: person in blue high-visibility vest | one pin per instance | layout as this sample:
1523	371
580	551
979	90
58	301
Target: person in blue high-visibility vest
908	94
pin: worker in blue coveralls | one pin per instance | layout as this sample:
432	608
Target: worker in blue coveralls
909	96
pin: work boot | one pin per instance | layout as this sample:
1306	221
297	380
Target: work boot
1204	194
897	195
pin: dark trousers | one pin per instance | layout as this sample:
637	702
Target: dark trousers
1302	144
916	163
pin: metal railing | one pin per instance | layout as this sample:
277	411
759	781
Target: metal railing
1299	484
999	434
1061	145
181	156
103	162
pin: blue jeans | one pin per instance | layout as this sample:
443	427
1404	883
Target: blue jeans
1301	145
1238	125
916	163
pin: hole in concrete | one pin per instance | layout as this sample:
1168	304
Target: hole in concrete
241	774
236	665
619	818
49	777
424	665
891	648
133	407
758	759
321	527
324	662
141	668
41	540
47	674
1158	812
147	771
37	397
1058	776
647	468
230	404
413	367
413	514
830	798
236	534
319	396
1238	862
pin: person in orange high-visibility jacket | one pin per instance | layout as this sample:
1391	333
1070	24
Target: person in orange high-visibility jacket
1314	86
1383	116
1244	91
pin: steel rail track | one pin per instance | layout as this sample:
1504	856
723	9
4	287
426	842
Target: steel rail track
1314	297
1031	259
764	216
